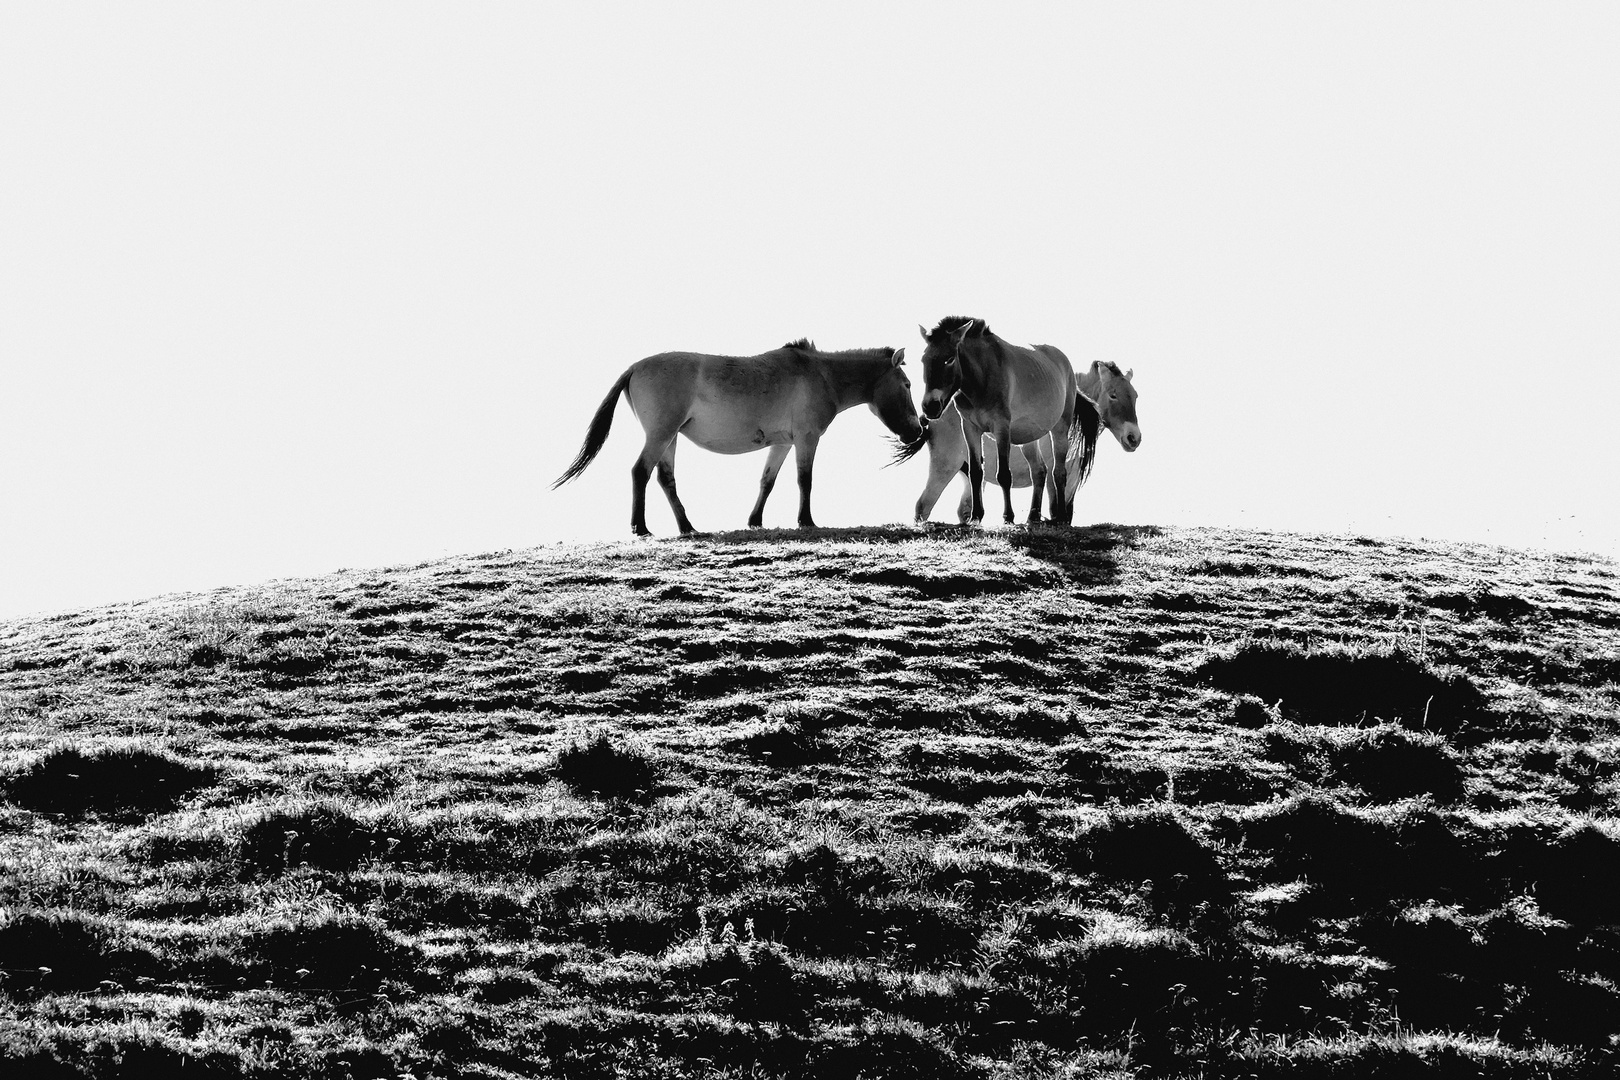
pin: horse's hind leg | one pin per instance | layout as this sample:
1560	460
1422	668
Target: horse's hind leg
767	480
1037	478
666	480
653	452
1062	505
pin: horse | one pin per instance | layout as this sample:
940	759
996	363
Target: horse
1013	394
1107	399
783	399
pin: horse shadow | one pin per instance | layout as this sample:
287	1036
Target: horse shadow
1084	555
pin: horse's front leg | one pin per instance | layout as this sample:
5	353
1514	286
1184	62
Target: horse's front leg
1004	471
975	441
773	464
804	452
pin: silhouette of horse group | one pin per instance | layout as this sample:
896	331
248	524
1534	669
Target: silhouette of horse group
981	398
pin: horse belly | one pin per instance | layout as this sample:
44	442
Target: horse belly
735	434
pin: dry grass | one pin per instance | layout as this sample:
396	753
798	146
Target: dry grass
890	802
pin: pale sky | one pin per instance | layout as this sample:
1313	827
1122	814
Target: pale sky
291	288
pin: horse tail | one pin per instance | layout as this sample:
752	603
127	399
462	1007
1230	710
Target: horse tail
1083	434
598	433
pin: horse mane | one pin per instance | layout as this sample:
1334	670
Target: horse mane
1083	435
950	324
1112	367
803	343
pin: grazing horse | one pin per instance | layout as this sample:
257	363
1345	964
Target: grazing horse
1107	399
1012	394
783	399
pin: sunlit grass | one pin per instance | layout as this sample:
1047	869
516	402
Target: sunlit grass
891	802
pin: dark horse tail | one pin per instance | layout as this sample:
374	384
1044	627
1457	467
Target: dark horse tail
1083	433
597	435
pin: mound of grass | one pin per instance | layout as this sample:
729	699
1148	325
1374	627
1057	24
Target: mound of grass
1342	684
110	781
783	746
604	769
1152	846
327	953
1577	876
63	951
1359	857
1405	1056
321	834
1386	761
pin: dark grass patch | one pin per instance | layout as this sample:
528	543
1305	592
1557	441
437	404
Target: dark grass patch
1404	1055
322	834
112	781
601	768
332	953
1360	857
1249	711
1482	603
1386	761
1337	685
1152	848
65	951
784	746
1575	877
1232	781
1114	986
1104	775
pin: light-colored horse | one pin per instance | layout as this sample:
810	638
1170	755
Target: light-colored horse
783	399
1014	395
1107	399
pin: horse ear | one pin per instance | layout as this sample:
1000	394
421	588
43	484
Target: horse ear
899	356
962	333
1128	373
921	331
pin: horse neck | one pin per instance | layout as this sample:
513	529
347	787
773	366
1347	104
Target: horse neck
853	377
978	367
1090	383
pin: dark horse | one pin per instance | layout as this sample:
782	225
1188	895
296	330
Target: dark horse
1107	400
736	404
1017	396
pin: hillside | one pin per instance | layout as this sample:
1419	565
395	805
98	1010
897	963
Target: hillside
891	802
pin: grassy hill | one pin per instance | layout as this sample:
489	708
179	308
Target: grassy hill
883	802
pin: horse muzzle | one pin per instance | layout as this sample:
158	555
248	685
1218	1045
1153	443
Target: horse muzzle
1131	439
933	404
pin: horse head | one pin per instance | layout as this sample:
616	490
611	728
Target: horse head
942	360
1116	404
891	401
